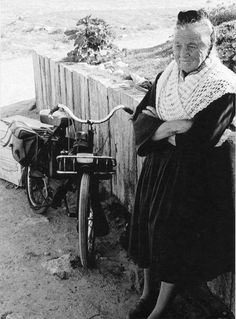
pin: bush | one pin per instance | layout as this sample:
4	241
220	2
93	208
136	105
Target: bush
226	43
222	14
93	41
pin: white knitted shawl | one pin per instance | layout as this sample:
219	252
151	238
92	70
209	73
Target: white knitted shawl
182	98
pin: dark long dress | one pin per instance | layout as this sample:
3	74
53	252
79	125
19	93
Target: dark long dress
183	218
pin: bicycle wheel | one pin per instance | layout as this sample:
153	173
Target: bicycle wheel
85	222
37	189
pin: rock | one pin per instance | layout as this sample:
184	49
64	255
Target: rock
107	265
137	79
14	316
20	18
21	316
39	28
119	72
28	29
101	67
53	30
109	64
60	267
122	64
134	277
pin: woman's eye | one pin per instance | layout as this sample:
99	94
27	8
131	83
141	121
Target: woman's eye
192	47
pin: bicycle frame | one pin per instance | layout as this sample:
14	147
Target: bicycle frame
77	166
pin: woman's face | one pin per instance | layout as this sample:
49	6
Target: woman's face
190	47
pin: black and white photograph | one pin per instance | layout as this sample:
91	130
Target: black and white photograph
117	159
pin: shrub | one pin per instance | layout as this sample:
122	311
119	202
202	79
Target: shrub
222	14
226	43
93	41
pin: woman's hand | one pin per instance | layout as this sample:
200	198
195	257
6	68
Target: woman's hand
150	111
181	126
171	140
171	128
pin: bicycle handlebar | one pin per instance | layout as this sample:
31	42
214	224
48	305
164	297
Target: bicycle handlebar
91	121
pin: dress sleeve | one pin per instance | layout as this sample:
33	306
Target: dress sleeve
145	125
208	125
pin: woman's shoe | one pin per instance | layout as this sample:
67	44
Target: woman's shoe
222	315
142	309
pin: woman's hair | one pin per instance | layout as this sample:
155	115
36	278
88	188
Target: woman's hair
191	16
200	19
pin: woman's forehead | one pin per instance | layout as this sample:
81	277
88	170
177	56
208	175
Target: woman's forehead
197	33
189	33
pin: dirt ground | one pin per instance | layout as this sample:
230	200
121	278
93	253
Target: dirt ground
32	288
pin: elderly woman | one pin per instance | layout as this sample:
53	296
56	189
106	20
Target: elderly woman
183	221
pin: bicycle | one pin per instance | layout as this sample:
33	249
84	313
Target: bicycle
72	162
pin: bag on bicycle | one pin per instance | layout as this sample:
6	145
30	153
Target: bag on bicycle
23	142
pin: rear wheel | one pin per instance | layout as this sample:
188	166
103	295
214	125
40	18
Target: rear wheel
37	189
85	222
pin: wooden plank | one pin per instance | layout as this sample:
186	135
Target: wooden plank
48	82
37	80
69	88
83	91
40	78
10	170
43	79
94	112
99	109
80	96
63	83
77	94
129	150
76	98
122	147
53	70
57	77
113	100
85	98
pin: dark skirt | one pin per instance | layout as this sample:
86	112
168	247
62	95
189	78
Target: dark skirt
183	219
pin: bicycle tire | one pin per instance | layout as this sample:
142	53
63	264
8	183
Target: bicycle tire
85	222
37	190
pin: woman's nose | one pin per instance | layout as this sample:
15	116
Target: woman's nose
184	51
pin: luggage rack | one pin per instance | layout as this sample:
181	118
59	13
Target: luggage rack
100	165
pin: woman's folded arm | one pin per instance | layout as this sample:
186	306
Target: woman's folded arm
209	125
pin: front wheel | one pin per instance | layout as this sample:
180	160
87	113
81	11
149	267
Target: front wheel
37	189
85	221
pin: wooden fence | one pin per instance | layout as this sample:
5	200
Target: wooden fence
89	94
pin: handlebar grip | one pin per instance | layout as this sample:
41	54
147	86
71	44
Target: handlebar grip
56	108
128	110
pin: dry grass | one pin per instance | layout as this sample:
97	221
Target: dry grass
149	62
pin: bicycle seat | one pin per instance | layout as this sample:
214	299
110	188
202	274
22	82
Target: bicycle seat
58	118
